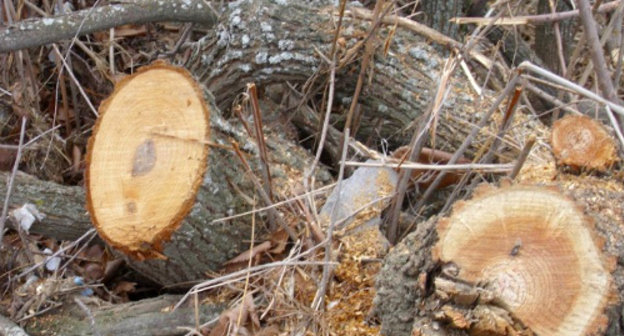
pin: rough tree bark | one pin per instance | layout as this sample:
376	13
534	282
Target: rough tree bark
145	317
265	42
31	33
199	245
545	36
439	13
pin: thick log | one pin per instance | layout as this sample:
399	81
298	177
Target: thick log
413	286
270	42
265	41
146	317
200	244
63	206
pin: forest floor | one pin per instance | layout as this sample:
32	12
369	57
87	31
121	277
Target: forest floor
34	86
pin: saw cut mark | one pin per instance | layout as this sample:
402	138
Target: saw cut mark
554	280
144	158
141	186
582	142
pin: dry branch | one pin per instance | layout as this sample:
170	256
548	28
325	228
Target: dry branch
37	32
535	19
597	55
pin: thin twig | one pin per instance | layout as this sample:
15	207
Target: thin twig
606	34
277	204
308	174
273	214
618	131
511	108
319	297
369	49
526	65
468	140
423	30
559	40
522	157
239	275
416	145
73	78
89	234
251	258
492	167
549	98
259	135
31	141
18	157
535	19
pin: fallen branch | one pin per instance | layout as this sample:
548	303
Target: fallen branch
535	19
146	317
36	32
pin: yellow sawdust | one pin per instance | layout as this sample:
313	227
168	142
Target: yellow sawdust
351	296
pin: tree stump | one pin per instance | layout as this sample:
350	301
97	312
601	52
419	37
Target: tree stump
516	260
582	143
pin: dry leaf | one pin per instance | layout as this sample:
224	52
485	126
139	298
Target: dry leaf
245	255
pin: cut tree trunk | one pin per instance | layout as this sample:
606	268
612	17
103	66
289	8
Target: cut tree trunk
200	244
147	158
519	260
265	42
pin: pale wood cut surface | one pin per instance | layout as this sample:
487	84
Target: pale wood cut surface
536	251
582	142
146	158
